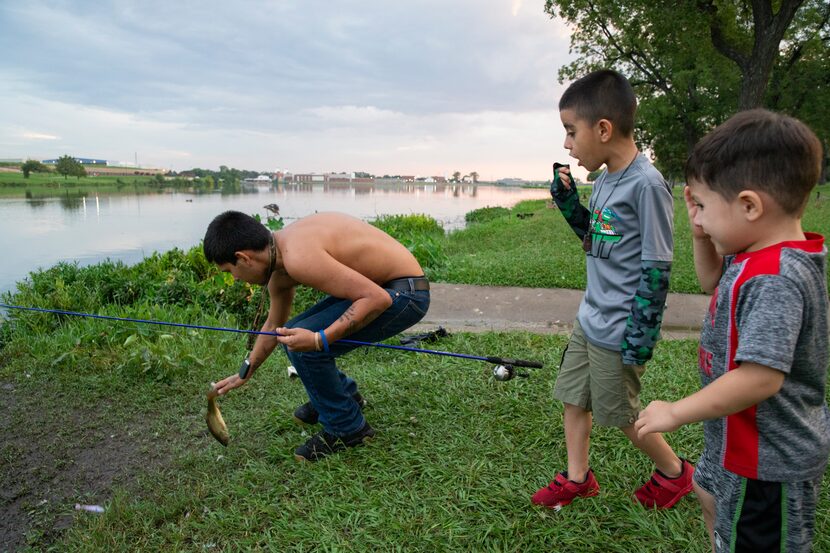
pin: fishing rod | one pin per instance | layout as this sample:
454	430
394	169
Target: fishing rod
503	370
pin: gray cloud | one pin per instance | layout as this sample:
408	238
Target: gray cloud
283	83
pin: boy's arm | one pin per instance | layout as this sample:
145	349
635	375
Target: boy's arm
642	329
708	263
740	388
567	200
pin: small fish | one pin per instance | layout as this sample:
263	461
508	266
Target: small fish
216	424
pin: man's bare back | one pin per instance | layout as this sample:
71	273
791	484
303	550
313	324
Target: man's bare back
350	242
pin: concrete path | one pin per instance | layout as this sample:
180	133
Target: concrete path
467	308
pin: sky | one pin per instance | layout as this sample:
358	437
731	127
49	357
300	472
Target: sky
423	87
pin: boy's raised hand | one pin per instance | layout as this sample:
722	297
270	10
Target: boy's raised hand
562	173
691	208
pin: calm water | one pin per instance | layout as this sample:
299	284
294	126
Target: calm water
39	233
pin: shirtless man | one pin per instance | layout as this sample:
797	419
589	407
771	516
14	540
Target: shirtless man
375	288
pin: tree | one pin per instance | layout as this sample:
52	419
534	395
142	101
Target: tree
474	176
67	165
456	176
79	171
32	166
693	63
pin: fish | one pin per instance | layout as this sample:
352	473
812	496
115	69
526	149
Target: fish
215	422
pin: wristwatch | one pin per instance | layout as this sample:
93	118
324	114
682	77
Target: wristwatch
244	368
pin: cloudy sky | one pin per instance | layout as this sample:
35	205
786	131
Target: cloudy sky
424	87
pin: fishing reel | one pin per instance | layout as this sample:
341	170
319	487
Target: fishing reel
506	372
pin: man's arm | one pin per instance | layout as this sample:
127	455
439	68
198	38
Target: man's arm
280	308
738	389
642	329
315	267
567	200
278	313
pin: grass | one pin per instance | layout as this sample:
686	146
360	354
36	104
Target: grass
456	459
533	246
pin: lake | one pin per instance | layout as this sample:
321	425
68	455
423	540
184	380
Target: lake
40	233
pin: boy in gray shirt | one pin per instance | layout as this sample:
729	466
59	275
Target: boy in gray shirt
763	352
626	233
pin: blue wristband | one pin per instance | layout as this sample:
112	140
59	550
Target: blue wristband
325	342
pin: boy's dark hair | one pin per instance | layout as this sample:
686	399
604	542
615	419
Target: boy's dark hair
230	232
762	151
603	94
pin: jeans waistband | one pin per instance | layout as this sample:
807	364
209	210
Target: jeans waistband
408	284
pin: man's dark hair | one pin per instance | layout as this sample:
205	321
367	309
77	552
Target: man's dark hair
762	151
603	94
230	232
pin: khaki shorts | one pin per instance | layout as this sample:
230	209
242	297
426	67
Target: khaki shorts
595	379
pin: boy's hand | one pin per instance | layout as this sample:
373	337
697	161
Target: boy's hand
658	416
691	208
563	174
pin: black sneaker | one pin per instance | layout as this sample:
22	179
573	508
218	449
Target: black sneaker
322	444
307	414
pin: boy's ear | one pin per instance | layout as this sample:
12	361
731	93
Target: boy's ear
605	128
751	204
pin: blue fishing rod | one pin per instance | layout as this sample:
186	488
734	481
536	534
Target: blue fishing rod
504	370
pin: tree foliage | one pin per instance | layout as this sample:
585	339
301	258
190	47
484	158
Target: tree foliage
67	166
32	166
693	63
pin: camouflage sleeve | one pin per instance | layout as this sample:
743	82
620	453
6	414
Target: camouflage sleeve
567	200
642	330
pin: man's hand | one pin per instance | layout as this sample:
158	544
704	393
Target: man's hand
298	339
227	384
658	416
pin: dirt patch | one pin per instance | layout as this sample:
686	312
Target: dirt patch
55	454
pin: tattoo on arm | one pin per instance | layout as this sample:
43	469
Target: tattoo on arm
348	318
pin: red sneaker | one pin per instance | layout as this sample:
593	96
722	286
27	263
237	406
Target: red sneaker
562	491
662	492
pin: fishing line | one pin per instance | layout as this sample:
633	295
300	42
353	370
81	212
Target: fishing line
489	359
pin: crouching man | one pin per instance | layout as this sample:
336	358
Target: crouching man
376	289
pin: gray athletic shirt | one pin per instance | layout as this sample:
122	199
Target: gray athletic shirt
770	308
631	221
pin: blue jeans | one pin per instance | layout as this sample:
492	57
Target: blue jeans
330	390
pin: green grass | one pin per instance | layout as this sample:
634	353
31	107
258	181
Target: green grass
452	469
542	251
45	185
456	458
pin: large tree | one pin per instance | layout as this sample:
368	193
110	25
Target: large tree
67	165
695	62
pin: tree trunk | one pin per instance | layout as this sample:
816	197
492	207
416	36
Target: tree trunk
768	30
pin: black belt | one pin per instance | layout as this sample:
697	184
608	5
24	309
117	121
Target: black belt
408	284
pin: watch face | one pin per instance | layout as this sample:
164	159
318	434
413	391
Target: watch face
243	369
